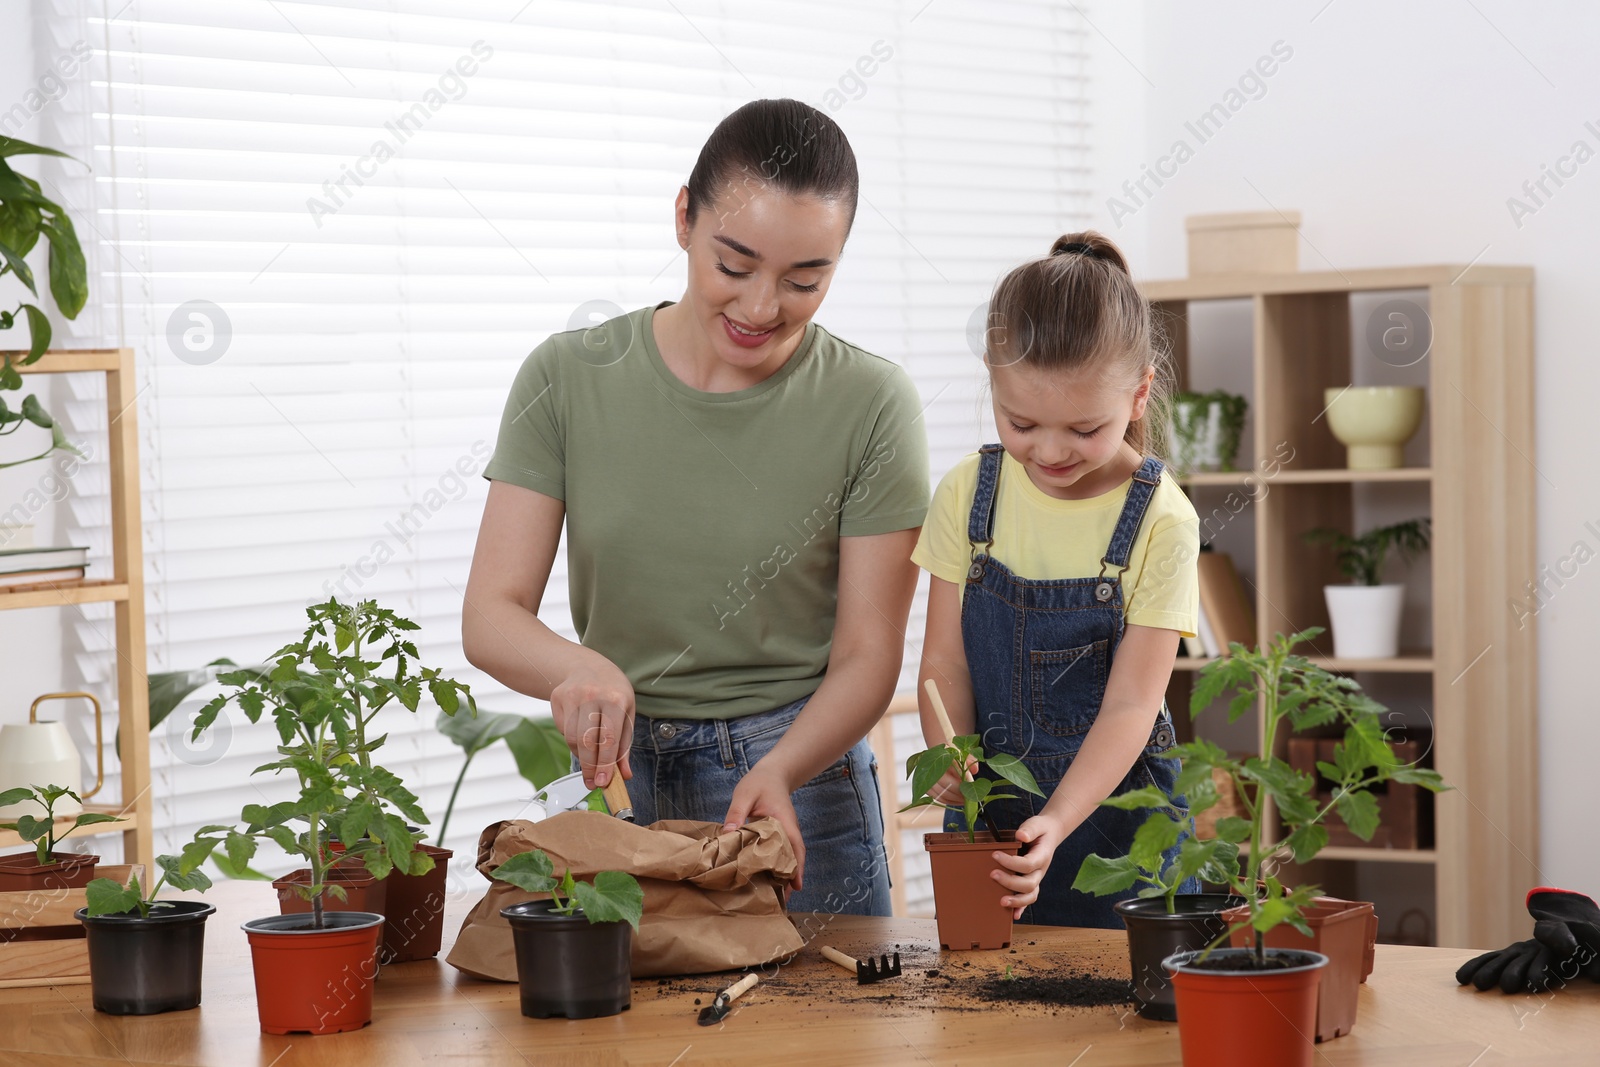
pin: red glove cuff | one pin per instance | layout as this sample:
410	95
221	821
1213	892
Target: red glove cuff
1527	900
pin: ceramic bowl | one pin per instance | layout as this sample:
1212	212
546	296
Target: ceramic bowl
1374	422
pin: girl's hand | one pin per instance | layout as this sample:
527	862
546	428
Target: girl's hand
1020	875
947	790
593	707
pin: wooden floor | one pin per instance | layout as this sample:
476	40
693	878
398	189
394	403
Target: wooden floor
1412	1014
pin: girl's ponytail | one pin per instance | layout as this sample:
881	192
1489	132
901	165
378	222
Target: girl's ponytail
1076	309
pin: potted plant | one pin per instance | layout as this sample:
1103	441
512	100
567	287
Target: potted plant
1161	920
1366	615
575	950
42	867
1206	430
314	969
1260	1004
966	897
145	954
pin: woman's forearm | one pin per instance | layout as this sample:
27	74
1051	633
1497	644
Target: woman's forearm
505	640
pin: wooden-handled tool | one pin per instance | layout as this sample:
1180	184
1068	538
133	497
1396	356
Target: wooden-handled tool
939	710
617	800
719	1008
866	973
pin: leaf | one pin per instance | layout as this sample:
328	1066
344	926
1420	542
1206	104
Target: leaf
1359	810
39	333
1014	771
1149	797
1152	839
1427	779
194	854
1240	704
10	146
528	871
241	849
19	225
15	796
1306	841
615	896
1208	686
20	266
105	897
1101	876
928	766
538	747
69	275
1232	829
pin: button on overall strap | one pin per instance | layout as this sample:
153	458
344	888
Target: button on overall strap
1140	490
980	520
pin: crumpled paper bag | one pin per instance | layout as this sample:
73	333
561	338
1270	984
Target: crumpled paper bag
712	901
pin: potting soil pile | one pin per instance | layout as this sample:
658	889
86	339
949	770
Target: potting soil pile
712	901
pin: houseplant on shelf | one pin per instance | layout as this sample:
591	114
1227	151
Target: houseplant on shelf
26	215
323	696
1256	1004
145	954
1206	430
575	950
966	897
1365	614
42	867
1161	920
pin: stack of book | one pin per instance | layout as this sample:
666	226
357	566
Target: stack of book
25	566
1226	612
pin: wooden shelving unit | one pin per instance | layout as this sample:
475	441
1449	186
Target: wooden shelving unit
124	589
1479	491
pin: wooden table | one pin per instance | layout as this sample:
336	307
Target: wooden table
1412	1013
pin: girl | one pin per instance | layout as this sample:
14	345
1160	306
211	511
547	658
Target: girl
740	492
1062	573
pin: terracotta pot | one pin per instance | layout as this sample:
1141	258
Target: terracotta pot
966	898
314	981
147	964
362	891
1229	1018
1154	934
567	965
21	872
1345	931
413	927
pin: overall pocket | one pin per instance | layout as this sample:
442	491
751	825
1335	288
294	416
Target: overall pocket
1067	686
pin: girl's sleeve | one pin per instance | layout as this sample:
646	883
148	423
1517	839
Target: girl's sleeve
1165	591
942	548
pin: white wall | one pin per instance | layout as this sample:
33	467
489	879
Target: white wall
1400	132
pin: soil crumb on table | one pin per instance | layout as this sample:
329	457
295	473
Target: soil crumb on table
1074	991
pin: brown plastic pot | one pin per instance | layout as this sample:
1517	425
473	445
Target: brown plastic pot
966	898
1230	1018
21	872
1154	933
314	981
1345	931
362	891
413	927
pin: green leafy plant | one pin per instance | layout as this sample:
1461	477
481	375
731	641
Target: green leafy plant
1196	443
925	768
323	693
1361	559
613	896
26	214
1214	859
106	897
1296	694
42	832
536	744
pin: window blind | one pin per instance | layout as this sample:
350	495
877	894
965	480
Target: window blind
332	231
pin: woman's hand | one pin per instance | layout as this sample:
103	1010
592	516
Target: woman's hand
1020	875
764	792
593	708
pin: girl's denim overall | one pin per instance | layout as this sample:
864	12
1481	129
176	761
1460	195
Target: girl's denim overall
1039	653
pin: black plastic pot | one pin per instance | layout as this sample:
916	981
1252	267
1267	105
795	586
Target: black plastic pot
147	965
1154	934
567	965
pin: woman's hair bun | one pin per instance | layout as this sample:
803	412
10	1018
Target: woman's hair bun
1090	244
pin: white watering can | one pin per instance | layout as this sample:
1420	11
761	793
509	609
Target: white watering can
41	753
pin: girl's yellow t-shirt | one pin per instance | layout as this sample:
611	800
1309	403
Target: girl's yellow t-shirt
1038	536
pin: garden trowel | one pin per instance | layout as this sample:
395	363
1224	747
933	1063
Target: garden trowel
568	793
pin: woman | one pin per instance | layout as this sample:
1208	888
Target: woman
741	492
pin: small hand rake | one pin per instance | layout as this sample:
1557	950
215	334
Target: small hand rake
866	973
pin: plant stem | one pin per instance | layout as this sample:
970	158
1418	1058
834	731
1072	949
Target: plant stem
450	807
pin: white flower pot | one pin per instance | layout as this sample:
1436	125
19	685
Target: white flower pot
1366	620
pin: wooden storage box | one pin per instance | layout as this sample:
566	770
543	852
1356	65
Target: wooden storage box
1228	803
41	943
1252	242
1405	811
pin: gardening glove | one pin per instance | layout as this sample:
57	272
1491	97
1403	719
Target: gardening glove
1525	967
1568	924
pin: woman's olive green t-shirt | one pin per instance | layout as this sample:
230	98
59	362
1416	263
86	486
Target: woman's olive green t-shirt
703	528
